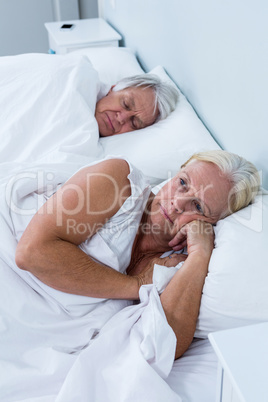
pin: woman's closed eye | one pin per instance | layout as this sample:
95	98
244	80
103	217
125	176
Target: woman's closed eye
134	124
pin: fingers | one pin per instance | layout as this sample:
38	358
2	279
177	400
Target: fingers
192	229
180	246
200	237
178	238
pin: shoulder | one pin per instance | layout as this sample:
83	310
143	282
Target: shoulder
116	167
103	183
110	171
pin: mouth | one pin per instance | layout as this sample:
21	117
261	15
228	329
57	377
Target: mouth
110	123
164	212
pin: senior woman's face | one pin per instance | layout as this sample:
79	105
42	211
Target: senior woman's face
199	191
126	110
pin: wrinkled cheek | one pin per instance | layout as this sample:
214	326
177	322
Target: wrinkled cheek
161	228
185	218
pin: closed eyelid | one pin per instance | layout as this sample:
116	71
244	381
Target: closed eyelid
137	123
126	105
133	124
129	102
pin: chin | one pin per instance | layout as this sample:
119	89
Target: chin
102	132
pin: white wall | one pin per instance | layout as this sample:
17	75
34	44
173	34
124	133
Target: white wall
217	52
22	24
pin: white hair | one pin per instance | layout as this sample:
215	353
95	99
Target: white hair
243	176
166	94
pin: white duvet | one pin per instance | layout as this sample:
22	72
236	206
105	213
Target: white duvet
47	109
72	351
65	349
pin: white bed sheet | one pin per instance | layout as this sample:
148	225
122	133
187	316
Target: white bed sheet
50	352
106	350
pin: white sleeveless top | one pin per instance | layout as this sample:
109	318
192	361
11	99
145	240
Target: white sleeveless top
112	244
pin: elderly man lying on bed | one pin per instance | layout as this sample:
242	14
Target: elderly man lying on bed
105	216
134	103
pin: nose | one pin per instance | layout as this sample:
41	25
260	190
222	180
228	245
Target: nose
181	202
123	116
178	205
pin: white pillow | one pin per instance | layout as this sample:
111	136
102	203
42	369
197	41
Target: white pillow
159	150
236	288
112	63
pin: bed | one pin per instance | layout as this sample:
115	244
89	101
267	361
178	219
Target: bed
51	349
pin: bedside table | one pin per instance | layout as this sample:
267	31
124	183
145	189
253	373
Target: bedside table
84	33
243	363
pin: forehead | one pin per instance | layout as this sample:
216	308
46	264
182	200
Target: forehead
141	100
202	173
209	184
141	94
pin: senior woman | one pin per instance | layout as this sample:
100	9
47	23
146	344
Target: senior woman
134	103
105	216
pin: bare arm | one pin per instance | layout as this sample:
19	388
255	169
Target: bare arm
181	298
48	247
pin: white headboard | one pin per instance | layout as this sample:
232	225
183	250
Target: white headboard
217	53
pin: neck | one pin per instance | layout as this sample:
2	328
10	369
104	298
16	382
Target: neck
146	242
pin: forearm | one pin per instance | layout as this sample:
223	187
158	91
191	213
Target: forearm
181	299
65	267
49	250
